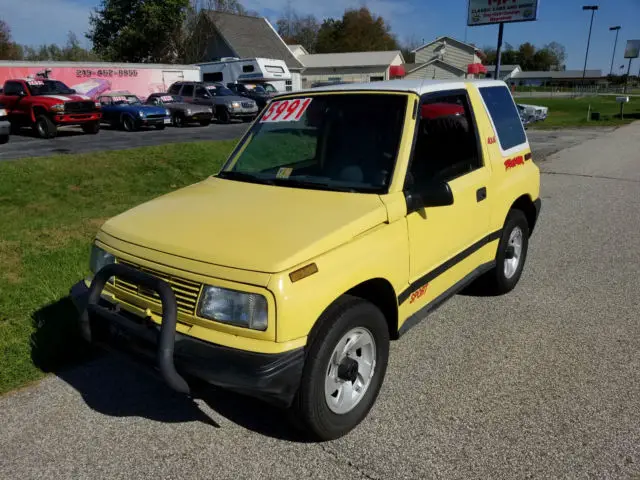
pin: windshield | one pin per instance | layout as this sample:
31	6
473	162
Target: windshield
269	88
220	91
48	87
333	142
171	99
126	100
255	88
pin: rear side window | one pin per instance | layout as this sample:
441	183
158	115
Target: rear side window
505	116
175	89
187	91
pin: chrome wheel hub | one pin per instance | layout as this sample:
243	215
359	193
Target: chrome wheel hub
514	252
350	370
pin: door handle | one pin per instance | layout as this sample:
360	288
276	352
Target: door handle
481	194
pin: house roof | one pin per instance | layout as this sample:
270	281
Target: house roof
452	40
558	74
417	66
416	86
350	59
251	37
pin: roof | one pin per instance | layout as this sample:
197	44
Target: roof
418	66
503	68
350	59
416	86
452	40
251	37
558	74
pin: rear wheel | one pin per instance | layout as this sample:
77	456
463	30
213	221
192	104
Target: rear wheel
178	120
511	255
44	127
4	139
205	123
91	128
344	368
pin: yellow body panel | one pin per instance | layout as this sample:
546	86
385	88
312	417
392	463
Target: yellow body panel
251	237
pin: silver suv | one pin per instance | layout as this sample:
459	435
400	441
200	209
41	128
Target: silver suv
226	105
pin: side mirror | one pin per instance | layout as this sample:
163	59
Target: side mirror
22	93
73	90
437	194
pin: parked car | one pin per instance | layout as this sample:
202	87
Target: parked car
535	113
47	104
269	88
125	110
524	117
338	223
251	90
182	113
5	126
226	105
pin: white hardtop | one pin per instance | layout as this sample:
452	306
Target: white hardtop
415	86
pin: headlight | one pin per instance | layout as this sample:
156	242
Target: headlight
141	113
3	112
98	105
167	112
210	110
58	107
100	259
235	104
188	113
242	309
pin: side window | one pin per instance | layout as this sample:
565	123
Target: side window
446	144
187	91
13	88
175	89
105	101
212	77
505	116
201	92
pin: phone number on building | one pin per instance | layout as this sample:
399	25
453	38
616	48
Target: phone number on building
106	73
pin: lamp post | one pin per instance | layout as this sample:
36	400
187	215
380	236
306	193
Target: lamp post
593	9
615	44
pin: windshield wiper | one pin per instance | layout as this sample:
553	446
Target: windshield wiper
294	182
244	177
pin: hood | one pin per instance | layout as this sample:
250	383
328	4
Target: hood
67	98
231	98
248	226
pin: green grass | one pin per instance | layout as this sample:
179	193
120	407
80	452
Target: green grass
50	209
572	112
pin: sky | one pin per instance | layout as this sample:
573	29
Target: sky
563	21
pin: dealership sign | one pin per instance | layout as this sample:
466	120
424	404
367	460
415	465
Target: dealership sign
485	12
633	49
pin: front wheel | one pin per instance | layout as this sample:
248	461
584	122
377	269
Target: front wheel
205	123
4	139
178	121
344	368
224	116
129	124
44	127
91	128
511	255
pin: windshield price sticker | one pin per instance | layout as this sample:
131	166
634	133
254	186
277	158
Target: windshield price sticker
286	110
35	82
166	98
119	99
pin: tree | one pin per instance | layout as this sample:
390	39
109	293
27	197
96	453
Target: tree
558	53
408	47
137	30
295	29
8	49
358	31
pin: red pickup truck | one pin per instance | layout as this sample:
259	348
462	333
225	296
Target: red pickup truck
46	104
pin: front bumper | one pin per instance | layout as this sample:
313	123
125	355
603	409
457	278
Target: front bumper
5	128
243	113
76	118
270	377
200	117
146	122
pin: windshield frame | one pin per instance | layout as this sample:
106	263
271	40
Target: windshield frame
405	142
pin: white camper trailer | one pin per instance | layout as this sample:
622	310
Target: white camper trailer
248	70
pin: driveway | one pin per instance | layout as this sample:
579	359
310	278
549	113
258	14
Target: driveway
542	382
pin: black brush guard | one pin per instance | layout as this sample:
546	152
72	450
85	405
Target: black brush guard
167	335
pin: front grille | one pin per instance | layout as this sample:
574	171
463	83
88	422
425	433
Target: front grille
79	107
155	116
247	105
186	291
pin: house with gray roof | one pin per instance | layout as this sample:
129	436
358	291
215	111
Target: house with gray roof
444	58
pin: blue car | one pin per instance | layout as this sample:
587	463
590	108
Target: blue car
125	110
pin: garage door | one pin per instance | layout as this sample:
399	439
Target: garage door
171	76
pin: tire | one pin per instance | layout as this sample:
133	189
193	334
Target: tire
205	123
44	127
224	116
129	124
505	275
326	414
178	121
91	128
4	139
160	127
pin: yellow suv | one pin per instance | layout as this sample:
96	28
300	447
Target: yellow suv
344	215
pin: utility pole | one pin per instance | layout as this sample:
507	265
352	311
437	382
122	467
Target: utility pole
593	9
615	44
496	75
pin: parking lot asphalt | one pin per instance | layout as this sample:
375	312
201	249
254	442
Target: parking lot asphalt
541	383
73	140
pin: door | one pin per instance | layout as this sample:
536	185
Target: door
13	95
187	92
203	96
169	77
446	243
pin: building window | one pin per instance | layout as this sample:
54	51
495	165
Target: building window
212	77
274	69
376	79
247	68
335	79
288	85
